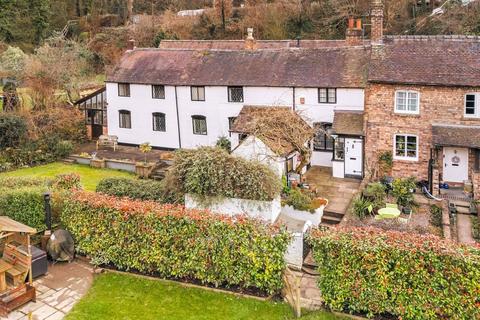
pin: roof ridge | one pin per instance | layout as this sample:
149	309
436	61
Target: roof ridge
457	37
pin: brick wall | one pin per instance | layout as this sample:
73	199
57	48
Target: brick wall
439	105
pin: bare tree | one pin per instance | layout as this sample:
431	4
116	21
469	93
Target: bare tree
224	10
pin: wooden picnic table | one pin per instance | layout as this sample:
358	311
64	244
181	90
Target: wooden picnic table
4	267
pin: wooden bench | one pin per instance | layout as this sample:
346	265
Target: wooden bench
107	141
20	262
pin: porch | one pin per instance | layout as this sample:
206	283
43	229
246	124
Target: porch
338	191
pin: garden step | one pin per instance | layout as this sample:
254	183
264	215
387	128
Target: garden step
69	161
330	220
333	214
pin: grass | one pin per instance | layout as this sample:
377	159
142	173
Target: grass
90	177
476	228
119	296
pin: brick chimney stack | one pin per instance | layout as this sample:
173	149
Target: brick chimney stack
354	35
376	16
250	42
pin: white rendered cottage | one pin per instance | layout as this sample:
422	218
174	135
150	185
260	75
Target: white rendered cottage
187	94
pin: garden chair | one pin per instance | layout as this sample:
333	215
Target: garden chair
406	220
391	205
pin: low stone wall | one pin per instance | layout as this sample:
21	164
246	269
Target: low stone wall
475	176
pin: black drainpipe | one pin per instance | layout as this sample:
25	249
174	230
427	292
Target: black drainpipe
178	120
293	98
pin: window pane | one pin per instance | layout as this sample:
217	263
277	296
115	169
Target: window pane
199	125
231	120
124	89
194	93
400	146
332	95
158	92
159	122
322	141
235	94
401	100
125	119
322	95
470	104
339	149
412	101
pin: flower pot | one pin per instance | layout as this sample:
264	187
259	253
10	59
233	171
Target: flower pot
143	170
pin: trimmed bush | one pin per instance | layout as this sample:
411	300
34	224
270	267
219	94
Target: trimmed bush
133	189
411	276
171	241
25	205
213	172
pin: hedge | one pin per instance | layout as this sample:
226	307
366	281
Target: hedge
411	276
134	189
213	172
173	242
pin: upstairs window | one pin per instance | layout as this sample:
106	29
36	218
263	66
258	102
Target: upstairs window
235	94
159	122
158	92
124	89
322	140
199	125
327	95
406	147
471	109
125	119
198	93
407	102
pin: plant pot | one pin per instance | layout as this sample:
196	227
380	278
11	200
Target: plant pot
407	210
143	170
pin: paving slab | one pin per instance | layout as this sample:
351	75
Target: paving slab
57	292
464	229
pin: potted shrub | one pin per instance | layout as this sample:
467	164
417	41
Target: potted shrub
403	190
143	169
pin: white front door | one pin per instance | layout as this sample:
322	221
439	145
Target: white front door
455	164
353	157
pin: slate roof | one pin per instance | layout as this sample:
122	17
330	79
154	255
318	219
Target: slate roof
343	67
456	135
427	60
348	123
250	116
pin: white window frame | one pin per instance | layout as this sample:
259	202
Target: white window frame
407	93
406	135
477	105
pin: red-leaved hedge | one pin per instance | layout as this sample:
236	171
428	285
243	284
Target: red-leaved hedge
412	276
175	242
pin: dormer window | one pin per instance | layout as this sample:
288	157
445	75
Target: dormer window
124	89
407	102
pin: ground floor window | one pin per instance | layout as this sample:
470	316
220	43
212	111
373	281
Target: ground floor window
125	119
339	149
159	122
477	160
290	165
322	140
406	147
199	125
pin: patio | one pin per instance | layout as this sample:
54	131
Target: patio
339	192
128	153
63	286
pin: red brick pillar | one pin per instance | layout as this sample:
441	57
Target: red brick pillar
435	181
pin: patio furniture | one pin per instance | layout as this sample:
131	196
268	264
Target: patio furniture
107	141
4	266
391	205
388	213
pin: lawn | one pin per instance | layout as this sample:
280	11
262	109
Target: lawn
90	177
119	296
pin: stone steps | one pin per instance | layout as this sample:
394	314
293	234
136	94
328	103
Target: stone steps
69	160
331	218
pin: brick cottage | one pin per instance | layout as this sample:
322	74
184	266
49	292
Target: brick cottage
422	103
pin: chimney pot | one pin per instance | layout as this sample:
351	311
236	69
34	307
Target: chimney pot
350	23
359	23
250	43
131	44
354	34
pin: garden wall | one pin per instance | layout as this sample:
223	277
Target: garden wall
175	242
264	210
411	276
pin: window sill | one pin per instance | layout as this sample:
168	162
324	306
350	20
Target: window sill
407	114
471	118
323	150
405	159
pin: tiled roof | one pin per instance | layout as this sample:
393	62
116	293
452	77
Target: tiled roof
456	135
343	67
348	123
427	60
252	116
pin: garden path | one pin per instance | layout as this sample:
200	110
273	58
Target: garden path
464	229
63	286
